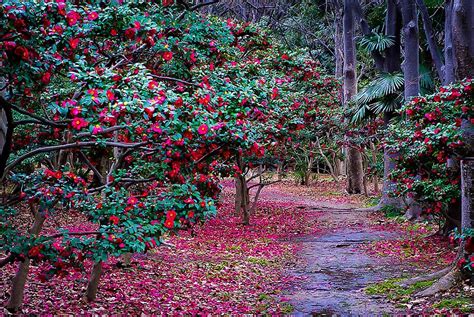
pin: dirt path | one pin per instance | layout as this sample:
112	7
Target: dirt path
333	272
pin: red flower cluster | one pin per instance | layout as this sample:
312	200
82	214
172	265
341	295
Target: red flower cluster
170	217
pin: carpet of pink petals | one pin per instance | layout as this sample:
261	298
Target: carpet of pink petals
419	245
225	268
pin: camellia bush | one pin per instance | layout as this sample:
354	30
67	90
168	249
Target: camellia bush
429	135
123	117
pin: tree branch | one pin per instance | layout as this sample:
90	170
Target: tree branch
71	146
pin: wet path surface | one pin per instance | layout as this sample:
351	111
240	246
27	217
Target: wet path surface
334	272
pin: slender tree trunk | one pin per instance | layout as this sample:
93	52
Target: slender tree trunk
430	38
244	202
6	131
392	64
448	71
463	37
411	70
244	193
280	170
338	40
355	171
19	281
374	158
238	196
94	280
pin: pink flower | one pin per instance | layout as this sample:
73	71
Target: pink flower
72	17
203	128
76	111
97	129
132	200
156	128
92	16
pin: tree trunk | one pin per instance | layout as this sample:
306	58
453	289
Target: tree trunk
244	202
374	158
355	171
463	38
19	281
280	170
392	64
238	196
94	280
244	193
411	70
430	38
467	178
338	40
6	132
448	71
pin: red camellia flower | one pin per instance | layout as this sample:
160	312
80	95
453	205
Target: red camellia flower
167	3
410	112
72	17
171	214
152	84
169	223
46	78
114	220
79	123
203	128
130	33
22	52
110	95
179	102
285	57
35	251
275	93
167	56
74	42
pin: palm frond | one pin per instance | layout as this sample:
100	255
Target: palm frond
376	42
384	85
426	78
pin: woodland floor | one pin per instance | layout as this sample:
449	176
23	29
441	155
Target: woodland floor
307	251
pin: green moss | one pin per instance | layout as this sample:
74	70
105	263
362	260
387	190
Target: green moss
384	287
286	308
259	261
462	303
371	202
393	291
392	212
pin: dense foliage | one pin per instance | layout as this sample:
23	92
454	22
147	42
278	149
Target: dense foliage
129	114
428	135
